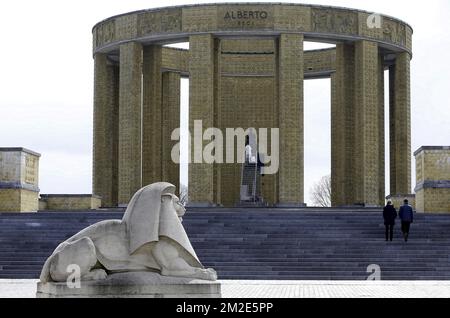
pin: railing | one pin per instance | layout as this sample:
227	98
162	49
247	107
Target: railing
249	190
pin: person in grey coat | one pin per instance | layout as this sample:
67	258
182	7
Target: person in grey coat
407	217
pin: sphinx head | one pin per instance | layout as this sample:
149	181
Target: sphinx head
150	208
171	201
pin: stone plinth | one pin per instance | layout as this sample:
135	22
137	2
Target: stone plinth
134	285
433	179
19	180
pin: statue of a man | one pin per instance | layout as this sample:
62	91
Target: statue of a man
150	237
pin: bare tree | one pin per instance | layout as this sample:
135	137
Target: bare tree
183	194
321	192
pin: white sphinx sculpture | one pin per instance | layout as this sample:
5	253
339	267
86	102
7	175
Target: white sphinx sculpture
149	238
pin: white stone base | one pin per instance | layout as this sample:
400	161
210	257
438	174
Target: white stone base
134	285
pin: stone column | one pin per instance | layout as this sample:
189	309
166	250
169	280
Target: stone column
152	115
106	115
400	125
381	141
367	123
343	127
217	169
130	121
290	80
170	122
201	107
336	179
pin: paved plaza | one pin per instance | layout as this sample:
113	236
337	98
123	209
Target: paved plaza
26	288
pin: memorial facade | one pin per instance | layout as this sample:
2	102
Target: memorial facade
246	67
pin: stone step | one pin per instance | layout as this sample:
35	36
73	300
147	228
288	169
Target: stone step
255	243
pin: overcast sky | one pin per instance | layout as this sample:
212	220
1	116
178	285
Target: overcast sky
46	83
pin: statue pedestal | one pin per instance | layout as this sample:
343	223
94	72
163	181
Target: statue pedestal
133	285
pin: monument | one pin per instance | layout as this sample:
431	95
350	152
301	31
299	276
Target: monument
246	67
146	254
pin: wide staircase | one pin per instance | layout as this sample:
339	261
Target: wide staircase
254	243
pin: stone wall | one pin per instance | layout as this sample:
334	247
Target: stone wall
247	93
10	200
18	200
318	63
175	60
433	200
67	202
29	201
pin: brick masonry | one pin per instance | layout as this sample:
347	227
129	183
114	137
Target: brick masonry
181	20
366	113
343	127
152	115
18	200
318	63
400	125
170	122
290	81
247	98
381	132
19	180
202	98
357	125
398	200
433	179
68	202
106	126
130	143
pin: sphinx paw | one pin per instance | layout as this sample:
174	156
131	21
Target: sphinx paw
212	274
207	274
96	274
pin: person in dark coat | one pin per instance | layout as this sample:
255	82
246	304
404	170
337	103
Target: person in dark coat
407	217
389	215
